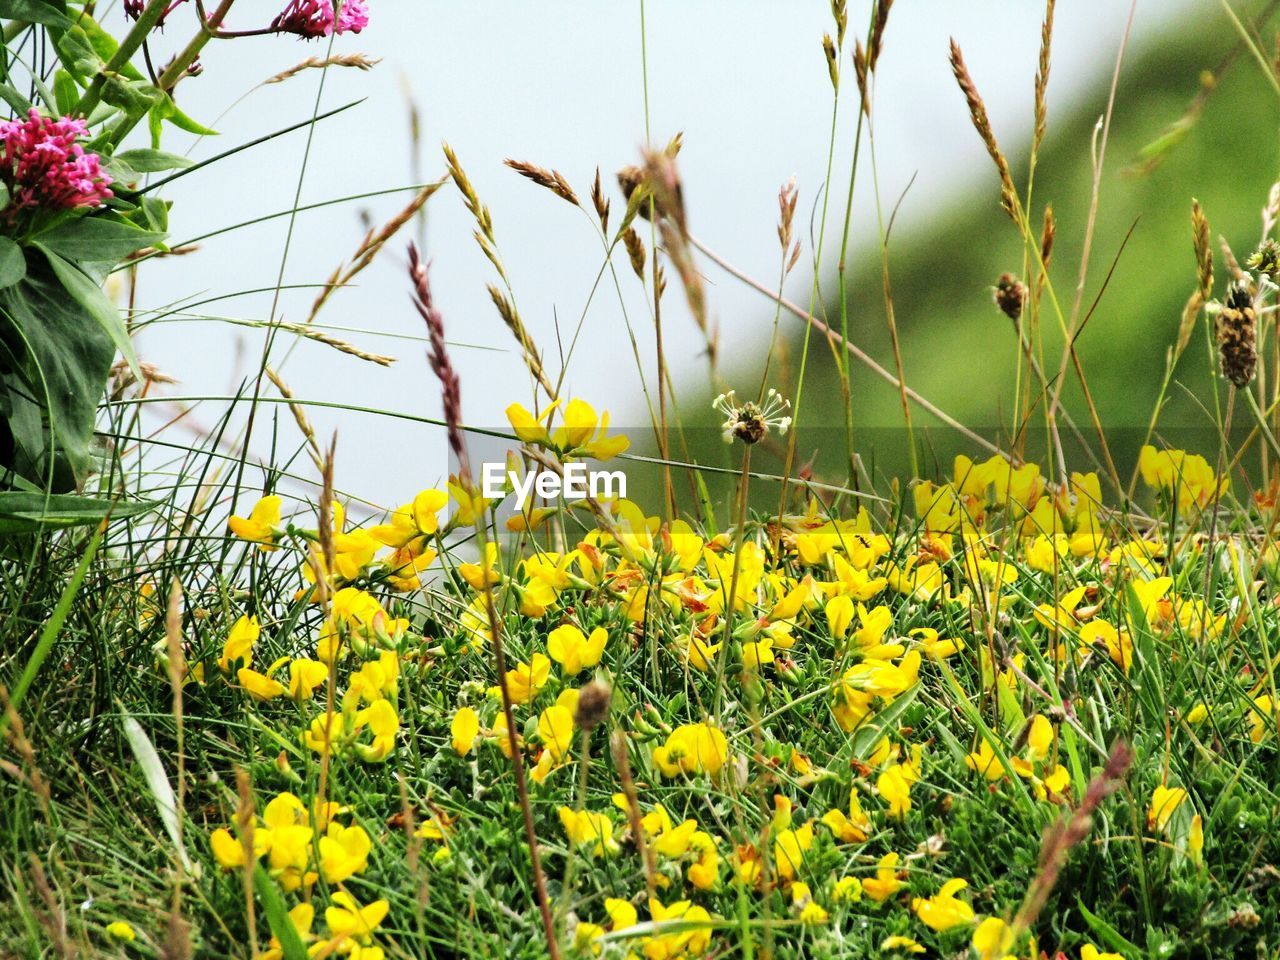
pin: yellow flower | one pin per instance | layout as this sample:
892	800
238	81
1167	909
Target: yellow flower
347	919
258	685
885	883
377	679
464	729
756	653
555	725
1188	476
789	849
121	931
262	526
304	676
699	654
1195	840
894	785
412	525
847	890
944	910
899	942
528	428
344	852
1164	803
993	939
239	646
526	680
985	761
383	723
704	873
839	612
1090	952
692	748
574	652
853	827
584	827
811	913
579	434
1040	737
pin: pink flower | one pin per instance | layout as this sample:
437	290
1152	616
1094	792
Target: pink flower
315	18
44	167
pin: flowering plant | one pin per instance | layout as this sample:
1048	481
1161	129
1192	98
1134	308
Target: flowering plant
75	206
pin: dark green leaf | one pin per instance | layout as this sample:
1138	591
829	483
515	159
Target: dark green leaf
49	13
77	53
97	239
89	295
153	161
166	109
13	265
105	44
65	92
26	512
20	104
65	356
134	96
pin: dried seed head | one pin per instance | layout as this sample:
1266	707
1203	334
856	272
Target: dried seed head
593	705
553	180
600	202
1203	250
880	18
833	64
982	124
860	74
1047	236
635	250
1010	295
1237	336
1266	259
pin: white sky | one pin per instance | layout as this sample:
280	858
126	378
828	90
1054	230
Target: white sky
560	84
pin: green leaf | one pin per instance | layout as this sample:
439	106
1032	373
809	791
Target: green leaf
65	92
49	13
166	109
104	44
158	782
278	916
61	356
133	96
13	265
97	239
98	305
23	512
1106	932
77	53
153	161
20	104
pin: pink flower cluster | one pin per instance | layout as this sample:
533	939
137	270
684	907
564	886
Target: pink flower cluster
44	166
315	18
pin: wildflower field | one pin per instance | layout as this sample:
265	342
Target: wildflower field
1007	695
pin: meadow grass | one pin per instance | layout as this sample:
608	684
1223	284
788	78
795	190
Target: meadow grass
1021	706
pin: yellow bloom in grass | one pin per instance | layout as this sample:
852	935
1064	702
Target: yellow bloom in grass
1189	476
885	883
1164	803
839	612
580	435
985	761
993	939
1195	840
789	849
1264	718
585	828
471	505
1090	952
262	526
757	653
304	676
227	850
302	917
383	723
944	910
464	729
239	646
621	913
260	686
933	647
706	871
900	944
700	654
121	931
847	890
853	827
351	925
478	574
1040	737
344	852
894	785
1102	636
555	725
528	428
526	680
412	525
575	652
811	913
686	943
377	679
403	566
692	749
